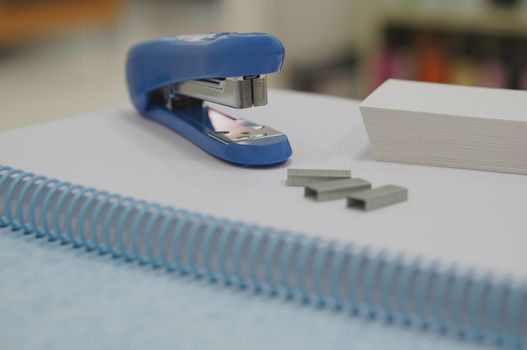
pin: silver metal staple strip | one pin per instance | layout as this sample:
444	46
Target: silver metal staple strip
236	92
336	189
378	197
304	177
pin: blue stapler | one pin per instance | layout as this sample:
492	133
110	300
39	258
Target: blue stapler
170	81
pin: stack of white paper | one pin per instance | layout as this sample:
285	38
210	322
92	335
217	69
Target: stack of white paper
448	125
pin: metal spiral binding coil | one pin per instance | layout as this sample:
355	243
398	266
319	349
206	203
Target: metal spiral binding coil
362	281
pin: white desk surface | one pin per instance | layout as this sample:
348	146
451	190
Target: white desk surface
467	217
52	296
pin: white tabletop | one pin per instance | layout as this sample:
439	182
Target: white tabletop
467	217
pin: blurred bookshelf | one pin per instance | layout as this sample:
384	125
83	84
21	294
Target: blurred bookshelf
338	47
467	57
468	42
480	43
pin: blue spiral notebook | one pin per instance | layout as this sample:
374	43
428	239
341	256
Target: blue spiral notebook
119	233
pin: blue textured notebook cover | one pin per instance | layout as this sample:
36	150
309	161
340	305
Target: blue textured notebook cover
55	297
370	285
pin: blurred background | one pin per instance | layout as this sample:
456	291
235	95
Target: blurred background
64	57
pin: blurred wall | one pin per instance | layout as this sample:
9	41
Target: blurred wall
339	47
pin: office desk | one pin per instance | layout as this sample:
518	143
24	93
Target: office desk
53	296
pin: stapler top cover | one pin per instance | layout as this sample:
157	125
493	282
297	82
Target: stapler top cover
167	61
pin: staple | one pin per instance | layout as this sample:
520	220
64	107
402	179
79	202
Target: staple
336	189
304	177
378	197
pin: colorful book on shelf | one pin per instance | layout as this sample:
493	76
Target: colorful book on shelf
245	229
